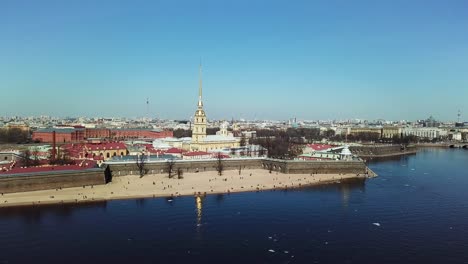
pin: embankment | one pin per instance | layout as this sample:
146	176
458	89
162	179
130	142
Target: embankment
380	151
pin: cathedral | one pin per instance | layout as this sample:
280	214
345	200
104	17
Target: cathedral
202	142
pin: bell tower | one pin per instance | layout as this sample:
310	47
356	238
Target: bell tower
199	120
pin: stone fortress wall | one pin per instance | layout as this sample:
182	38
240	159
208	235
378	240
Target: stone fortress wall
66	179
371	151
283	166
51	180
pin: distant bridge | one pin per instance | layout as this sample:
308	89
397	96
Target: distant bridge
460	145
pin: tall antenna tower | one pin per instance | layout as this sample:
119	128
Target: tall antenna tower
147	107
459	115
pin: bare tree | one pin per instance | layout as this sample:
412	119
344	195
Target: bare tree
63	157
270	167
261	151
141	165
35	157
180	173
26	160
243	141
170	167
219	163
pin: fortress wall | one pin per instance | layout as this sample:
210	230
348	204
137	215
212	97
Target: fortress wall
66	179
381	150
315	167
50	180
283	166
123	169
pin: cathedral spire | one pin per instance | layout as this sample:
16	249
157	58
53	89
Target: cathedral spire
200	88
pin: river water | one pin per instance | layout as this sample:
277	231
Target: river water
416	211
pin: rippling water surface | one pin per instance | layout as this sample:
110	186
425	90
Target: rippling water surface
416	211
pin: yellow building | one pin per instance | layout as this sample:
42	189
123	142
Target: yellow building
202	142
360	130
22	127
390	132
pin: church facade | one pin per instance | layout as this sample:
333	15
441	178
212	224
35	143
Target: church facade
200	140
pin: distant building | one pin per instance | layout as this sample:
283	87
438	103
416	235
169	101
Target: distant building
125	134
105	150
424	132
77	134
391	131
361	130
62	135
431	122
20	126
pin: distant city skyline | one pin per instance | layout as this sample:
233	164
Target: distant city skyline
274	60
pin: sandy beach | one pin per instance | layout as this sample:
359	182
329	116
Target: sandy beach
160	185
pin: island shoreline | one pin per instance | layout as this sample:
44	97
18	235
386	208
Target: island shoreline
67	196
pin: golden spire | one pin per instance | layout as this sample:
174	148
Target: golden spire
200	89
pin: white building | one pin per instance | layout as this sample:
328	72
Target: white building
424	132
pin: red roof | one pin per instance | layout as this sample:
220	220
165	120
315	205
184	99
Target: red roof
196	153
174	151
319	147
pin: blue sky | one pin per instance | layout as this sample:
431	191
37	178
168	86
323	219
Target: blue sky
261	59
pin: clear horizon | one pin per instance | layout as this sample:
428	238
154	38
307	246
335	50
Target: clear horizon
263	60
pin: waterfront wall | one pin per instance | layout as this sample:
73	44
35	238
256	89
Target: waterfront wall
283	166
315	167
66	179
370	151
187	166
51	180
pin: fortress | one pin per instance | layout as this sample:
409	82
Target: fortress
104	175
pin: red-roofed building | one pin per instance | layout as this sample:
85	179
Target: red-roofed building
151	150
97	133
176	152
316	147
79	133
105	150
124	134
62	135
